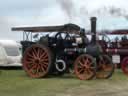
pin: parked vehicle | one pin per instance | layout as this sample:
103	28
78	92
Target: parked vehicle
10	54
118	49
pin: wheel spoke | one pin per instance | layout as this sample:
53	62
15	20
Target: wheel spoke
42	68
29	62
38	69
43	55
79	66
33	54
33	67
86	61
80	70
34	50
38	52
90	63
81	63
30	55
44	60
83	59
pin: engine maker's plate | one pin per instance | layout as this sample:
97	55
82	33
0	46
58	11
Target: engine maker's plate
116	58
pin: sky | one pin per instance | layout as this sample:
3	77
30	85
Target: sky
111	14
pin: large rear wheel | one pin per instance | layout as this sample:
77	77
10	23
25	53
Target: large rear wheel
37	61
105	67
85	67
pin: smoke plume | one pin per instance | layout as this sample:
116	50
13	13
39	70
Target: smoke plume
68	7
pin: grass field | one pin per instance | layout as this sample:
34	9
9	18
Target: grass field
16	83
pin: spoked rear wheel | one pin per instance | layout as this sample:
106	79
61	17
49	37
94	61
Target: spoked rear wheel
85	67
37	61
105	67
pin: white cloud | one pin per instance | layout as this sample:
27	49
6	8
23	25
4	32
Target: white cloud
50	12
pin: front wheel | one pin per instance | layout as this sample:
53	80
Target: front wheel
85	67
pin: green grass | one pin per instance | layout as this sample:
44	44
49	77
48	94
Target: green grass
16	83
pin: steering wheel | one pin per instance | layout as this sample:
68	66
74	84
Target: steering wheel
63	36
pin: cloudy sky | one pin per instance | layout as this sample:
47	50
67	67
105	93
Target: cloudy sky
112	14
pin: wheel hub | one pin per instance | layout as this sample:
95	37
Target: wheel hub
86	66
37	61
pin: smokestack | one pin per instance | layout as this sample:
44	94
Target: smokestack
93	29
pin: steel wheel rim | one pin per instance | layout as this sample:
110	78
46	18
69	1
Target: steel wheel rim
84	67
36	61
105	68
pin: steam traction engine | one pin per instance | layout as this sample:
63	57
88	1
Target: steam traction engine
68	49
118	49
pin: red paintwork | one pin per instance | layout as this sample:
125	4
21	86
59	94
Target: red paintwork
124	65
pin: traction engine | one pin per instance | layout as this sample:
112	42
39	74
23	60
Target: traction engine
67	50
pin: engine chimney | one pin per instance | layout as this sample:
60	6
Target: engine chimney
93	29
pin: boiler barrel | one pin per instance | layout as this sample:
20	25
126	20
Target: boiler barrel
117	51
